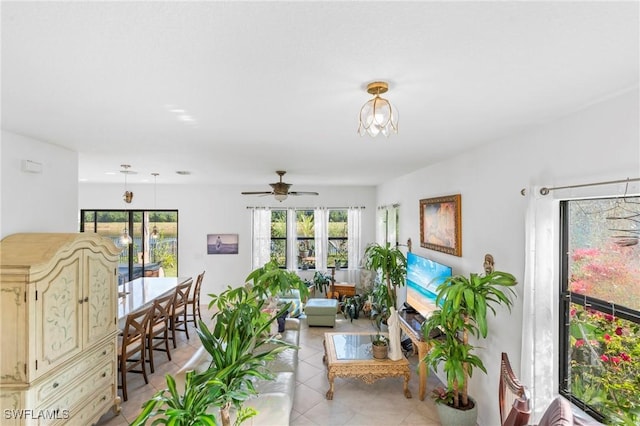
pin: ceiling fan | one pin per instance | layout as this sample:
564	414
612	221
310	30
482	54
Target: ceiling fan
280	190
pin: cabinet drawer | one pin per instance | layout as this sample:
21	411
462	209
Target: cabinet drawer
59	382
69	402
94	407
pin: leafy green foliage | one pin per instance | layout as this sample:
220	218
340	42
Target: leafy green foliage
168	407
239	345
391	264
271	280
464	305
605	364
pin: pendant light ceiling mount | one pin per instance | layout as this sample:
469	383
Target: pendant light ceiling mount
377	88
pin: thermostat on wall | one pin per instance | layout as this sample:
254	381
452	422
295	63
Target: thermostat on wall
29	166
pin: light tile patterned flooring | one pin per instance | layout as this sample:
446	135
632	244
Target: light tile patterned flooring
354	403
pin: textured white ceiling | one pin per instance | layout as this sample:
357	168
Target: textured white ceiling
232	91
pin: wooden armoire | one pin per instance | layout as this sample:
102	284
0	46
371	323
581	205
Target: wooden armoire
58	328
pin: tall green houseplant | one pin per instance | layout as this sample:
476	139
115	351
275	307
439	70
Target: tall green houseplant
239	345
391	264
464	305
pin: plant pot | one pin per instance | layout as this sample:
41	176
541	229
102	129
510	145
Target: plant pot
379	351
450	416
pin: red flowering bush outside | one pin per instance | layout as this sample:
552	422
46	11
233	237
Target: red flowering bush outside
605	364
610	273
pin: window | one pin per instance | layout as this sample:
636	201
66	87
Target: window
388	224
279	237
600	307
338	247
147	255
306	238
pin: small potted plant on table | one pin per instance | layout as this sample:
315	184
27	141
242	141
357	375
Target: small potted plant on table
379	346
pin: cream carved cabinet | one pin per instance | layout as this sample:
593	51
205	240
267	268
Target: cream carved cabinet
58	329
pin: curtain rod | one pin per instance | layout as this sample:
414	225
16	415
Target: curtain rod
388	206
545	190
305	208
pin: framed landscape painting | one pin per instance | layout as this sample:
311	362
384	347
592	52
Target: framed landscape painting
440	224
222	244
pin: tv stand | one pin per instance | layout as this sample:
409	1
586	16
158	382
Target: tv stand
411	325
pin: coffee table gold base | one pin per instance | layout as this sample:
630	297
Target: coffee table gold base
367	370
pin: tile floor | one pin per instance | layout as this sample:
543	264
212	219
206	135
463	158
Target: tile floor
354	402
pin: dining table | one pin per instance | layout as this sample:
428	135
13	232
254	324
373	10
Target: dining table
141	292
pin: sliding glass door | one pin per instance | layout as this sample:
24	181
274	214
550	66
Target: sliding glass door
148	238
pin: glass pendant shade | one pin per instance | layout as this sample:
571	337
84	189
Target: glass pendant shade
378	115
154	231
125	239
280	197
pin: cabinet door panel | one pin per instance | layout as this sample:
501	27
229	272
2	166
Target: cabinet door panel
58	315
100	296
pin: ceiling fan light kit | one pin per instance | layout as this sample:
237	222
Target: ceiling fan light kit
280	189
378	116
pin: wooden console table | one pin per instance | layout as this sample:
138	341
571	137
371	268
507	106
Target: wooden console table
411	326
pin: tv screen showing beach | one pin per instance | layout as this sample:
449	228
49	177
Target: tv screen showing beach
423	278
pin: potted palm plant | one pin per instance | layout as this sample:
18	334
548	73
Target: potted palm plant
464	303
391	264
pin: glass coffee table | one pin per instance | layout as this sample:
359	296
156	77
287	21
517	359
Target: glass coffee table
349	355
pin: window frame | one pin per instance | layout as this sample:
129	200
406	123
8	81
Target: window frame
285	238
566	299
343	240
130	223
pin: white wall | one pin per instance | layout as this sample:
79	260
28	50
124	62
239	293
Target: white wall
598	143
211	209
45	202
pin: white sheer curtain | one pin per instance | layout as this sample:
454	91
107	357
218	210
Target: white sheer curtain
381	225
540	321
261	237
392	225
321	228
292	240
354	226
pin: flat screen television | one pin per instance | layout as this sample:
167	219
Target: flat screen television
423	278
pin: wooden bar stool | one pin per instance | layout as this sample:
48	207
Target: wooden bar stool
132	346
194	301
179	311
159	324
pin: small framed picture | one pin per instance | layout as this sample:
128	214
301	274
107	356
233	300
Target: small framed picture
222	243
440	224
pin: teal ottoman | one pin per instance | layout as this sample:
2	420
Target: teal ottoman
321	312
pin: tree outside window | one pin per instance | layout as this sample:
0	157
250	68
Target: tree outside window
279	237
305	230
338	247
600	331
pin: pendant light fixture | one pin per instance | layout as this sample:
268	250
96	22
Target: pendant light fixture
378	115
154	231
125	239
128	195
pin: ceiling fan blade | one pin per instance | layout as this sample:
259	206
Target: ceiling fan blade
256	193
303	193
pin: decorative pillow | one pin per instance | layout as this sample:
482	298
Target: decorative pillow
295	309
558	413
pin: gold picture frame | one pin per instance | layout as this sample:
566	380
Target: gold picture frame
441	224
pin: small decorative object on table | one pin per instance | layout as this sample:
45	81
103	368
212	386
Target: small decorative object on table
379	346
